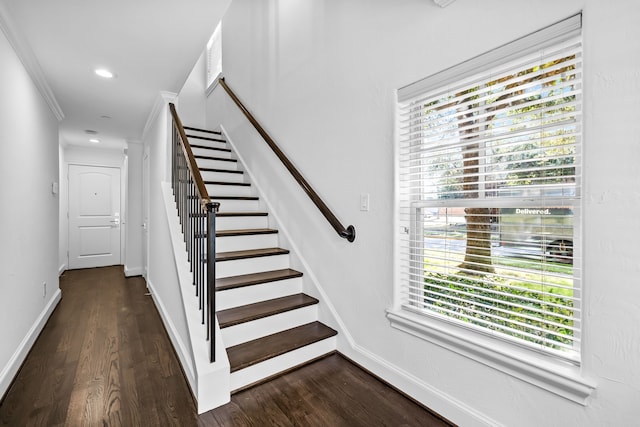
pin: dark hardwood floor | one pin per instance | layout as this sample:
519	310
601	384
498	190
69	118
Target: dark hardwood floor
104	359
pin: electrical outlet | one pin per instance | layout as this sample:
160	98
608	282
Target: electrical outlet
44	289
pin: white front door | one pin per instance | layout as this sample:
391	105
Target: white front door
94	216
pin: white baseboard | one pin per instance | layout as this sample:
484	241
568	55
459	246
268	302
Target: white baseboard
443	404
178	344
11	369
133	271
62	269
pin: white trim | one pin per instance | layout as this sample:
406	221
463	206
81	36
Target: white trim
547	36
164	97
561	378
213	85
443	3
62	269
174	336
28	58
132	271
16	361
431	397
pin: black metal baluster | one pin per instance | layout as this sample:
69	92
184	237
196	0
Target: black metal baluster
212	209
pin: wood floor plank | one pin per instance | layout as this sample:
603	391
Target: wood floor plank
104	359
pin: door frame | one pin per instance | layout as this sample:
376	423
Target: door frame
123	205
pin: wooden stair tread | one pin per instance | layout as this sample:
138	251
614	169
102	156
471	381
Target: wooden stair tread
215	132
251	253
233	197
252	352
247	313
222	159
206	147
231	214
240	184
245	232
233	282
225	198
220	170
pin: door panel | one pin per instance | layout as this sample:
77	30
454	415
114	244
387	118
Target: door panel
94	216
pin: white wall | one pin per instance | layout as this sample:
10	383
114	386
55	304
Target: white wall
321	77
29	214
192	101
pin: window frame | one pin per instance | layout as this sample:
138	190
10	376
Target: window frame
560	376
214	45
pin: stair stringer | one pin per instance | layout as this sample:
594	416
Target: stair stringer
345	343
311	285
209	382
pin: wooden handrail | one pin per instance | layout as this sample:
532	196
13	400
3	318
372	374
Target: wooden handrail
349	232
192	200
188	154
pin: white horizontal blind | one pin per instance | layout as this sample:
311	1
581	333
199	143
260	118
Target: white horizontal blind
490	186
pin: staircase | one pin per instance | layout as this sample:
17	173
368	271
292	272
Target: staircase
268	325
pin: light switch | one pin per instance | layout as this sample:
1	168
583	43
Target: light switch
364	202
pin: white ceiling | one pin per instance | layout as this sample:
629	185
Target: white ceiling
151	45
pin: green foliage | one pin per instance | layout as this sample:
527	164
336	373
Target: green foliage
470	299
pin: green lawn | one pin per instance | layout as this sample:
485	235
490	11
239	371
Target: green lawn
522	287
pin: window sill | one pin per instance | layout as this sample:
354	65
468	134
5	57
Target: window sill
561	378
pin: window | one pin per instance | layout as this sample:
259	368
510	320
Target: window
489	193
214	55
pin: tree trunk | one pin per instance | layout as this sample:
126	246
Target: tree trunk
477	258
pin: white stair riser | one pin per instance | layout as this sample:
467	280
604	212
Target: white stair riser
238	205
222	176
197	151
251	265
238	334
229	190
241	243
239	222
217	164
206	142
259	371
256	293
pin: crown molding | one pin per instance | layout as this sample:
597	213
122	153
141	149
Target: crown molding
29	60
443	3
163	98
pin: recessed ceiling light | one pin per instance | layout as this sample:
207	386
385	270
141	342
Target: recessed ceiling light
104	73
94	140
